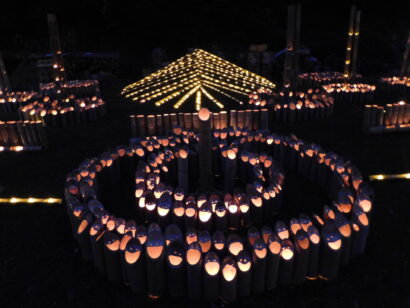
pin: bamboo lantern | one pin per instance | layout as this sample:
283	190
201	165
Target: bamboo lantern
272	267
135	266
330	251
112	257
301	263
244	264
235	244
259	257
155	256
219	243
314	238
194	271
286	263
228	280
211	276
176	285
204	148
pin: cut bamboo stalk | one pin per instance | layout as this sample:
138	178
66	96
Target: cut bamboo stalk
135	266
244	264
259	257
211	276
176	284
194	271
228	280
205	150
155	255
112	257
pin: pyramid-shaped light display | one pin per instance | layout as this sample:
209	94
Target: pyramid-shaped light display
196	76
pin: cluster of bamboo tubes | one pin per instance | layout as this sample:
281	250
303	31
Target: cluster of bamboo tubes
389	118
312	104
395	87
317	79
161	124
157	258
22	136
65	111
11	101
79	88
57	54
350	92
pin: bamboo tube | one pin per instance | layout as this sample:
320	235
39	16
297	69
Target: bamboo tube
314	238
173	120
195	121
244	265
228	280
205	217
273	259
241	119
286	263
173	234
159	125
188	120
205	150
211	276
230	170
194	271
343	226
232	118
405	68
349	48
221	220
97	231
133	124
176	284
290	41
191	215
112	257
155	256
259	257
362	221
219	243
330	251
181	122
264	119
302	249
165	122
84	238
151	125
223	118
135	266
183	169
141	125
355	43
235	244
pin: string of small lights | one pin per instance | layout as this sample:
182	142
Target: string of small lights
16	200
185	77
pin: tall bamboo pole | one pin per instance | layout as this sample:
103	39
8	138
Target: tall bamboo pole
295	59
405	68
287	76
356	34
58	64
205	150
5	86
349	43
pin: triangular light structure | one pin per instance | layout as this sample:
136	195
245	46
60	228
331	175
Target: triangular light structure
198	75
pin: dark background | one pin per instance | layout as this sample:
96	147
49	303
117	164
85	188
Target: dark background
134	28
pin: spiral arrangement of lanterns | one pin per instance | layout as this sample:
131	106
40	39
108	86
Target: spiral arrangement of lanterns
79	88
216	243
311	104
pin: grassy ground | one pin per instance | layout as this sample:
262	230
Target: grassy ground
41	265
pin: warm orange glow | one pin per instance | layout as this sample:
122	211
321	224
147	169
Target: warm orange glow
174	260
244	267
260	253
154	252
336	245
204	216
132	257
235	248
286	253
193	256
212	268
204	114
229	272
275	247
113	245
190	212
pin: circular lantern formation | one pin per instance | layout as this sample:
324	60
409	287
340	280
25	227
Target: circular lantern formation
311	104
395	87
222	243
69	110
11	101
79	88
315	79
350	92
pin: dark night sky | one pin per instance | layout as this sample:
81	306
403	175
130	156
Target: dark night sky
138	26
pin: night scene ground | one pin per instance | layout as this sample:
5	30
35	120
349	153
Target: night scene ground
41	262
